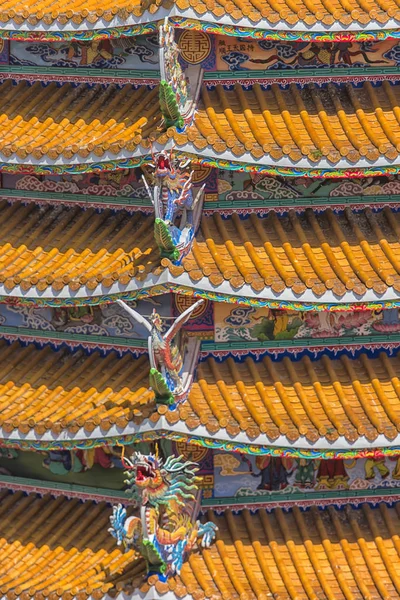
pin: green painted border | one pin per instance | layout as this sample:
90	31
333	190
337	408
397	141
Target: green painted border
210	205
90	34
233	501
234	299
36	335
228	165
326	342
206	26
300	73
84	199
287	36
48	72
207	347
59	487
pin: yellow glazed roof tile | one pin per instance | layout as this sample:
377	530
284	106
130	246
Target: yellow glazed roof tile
48	246
58	548
63	121
318	554
55	391
333	122
324	398
349	251
57	13
66	122
46	390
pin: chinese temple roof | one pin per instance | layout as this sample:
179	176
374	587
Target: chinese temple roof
325	398
353	14
58	246
58	250
61	548
56	391
333	125
69	123
351	251
63	394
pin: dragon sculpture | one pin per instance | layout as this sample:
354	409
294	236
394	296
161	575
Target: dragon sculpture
172	195
166	360
165	532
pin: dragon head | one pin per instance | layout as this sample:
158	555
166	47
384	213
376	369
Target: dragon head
145	477
159	482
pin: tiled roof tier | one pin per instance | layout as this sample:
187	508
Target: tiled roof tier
314	555
54	391
350	251
60	246
59	548
333	122
47	249
66	121
51	391
303	13
325	398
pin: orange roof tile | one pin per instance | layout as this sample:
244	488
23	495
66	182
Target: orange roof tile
332	122
47	390
59	548
66	120
272	11
54	247
314	555
58	246
54	548
324	251
54	391
324	398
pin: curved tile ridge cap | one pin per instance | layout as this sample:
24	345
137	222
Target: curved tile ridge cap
283	15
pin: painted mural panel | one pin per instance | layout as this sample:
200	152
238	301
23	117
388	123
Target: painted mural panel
106	319
236	54
137	53
204	457
232	186
219	185
125	183
241	476
96	467
248	324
